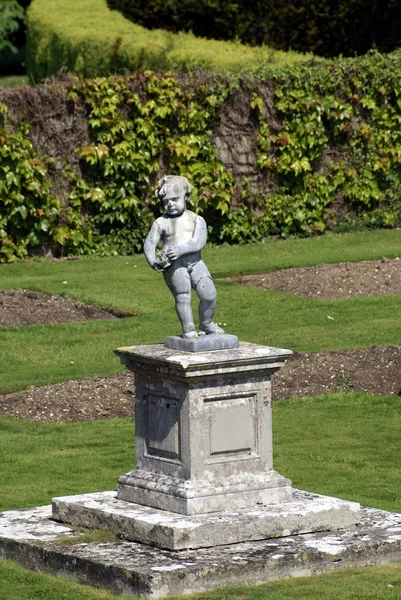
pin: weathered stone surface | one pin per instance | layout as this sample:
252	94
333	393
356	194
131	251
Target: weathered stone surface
203	429
134	568
203	343
161	360
192	497
305	514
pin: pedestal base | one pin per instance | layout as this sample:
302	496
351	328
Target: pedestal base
204	343
243	490
307	513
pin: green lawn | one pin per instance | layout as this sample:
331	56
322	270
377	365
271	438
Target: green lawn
13	81
347	445
41	461
379	583
296	252
38	355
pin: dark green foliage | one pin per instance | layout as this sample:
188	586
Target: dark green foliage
222	20
11	16
324	27
330	28
136	122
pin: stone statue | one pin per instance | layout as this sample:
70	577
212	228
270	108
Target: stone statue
182	235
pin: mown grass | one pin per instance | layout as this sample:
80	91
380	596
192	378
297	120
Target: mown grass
13	81
38	355
379	583
298	252
346	445
41	461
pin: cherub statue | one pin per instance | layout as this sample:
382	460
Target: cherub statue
182	235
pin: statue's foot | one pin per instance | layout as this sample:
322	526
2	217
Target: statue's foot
189	335
212	328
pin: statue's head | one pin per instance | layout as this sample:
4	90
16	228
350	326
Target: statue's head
174	191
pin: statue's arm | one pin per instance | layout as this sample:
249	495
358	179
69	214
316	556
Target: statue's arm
195	244
199	238
150	246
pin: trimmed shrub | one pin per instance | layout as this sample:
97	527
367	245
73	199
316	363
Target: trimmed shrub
11	16
222	20
323	27
90	40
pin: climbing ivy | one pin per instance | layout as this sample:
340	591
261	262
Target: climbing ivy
339	144
29	212
328	157
141	125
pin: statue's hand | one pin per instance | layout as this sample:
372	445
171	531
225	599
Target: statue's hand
173	253
157	267
162	262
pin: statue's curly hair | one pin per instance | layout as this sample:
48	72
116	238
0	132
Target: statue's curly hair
178	181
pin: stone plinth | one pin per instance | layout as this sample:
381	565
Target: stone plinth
35	540
306	513
203	429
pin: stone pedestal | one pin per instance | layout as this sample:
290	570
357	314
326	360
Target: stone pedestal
204	472
203	429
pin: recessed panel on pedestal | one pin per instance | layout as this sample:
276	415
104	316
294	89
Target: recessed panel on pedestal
162	426
232	426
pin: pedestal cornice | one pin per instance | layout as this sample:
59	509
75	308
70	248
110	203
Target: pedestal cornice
156	358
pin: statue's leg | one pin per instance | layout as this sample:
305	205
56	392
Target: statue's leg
184	312
203	284
179	283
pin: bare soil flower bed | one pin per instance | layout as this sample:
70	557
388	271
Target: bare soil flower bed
375	370
342	280
29	307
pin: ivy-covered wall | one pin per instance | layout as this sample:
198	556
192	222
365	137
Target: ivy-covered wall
287	152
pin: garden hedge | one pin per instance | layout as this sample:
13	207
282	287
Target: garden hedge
323	27
11	19
91	40
293	151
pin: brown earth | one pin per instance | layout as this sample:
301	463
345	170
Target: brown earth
375	370
28	307
342	280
